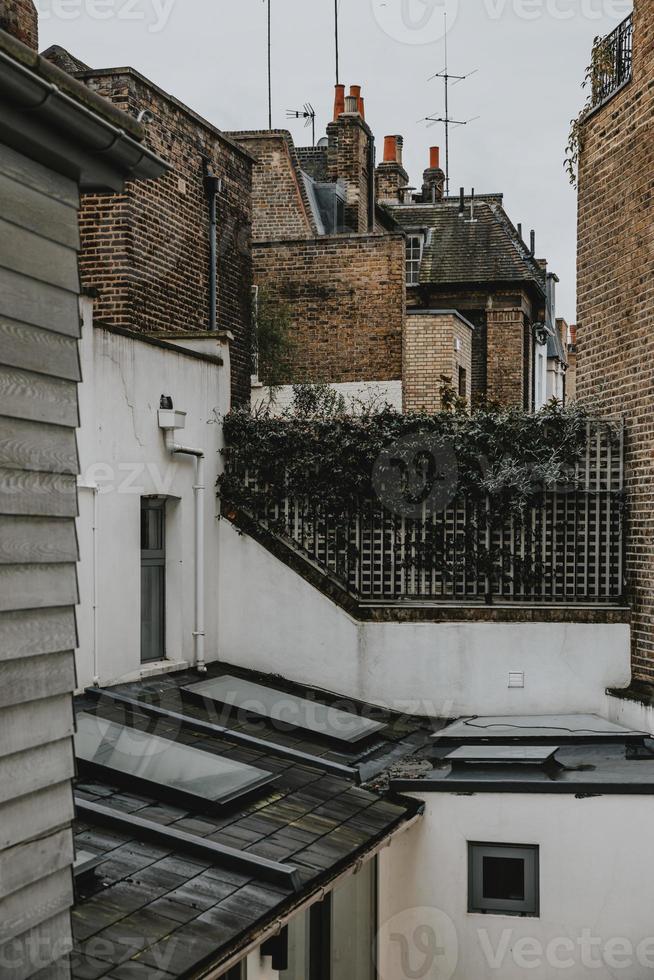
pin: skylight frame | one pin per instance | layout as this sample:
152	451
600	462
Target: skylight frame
201	693
168	792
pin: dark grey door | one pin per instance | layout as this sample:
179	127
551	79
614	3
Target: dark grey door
153	579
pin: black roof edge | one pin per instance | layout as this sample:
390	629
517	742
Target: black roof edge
470	787
273	871
233	735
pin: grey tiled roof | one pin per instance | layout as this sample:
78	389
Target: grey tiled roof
460	251
149	910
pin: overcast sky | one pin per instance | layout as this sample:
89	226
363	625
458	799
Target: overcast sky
528	56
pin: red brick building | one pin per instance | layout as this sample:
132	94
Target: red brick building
146	253
615	330
349	248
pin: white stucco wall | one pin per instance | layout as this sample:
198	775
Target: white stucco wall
355	394
272	620
596	872
122	453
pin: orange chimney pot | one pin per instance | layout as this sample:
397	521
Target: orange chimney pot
390	149
355	92
362	107
435	158
339	101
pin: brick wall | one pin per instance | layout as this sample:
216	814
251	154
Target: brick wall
346	295
280	209
348	161
507	339
146	251
429	352
615	330
19	17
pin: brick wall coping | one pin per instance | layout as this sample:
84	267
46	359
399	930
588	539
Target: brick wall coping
84	76
152	341
416	311
330	240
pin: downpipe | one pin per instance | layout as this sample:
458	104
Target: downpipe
199	488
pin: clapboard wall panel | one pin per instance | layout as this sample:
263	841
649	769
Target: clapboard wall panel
37	494
26	395
28	445
35	814
39	372
35	632
37	212
29	726
30	954
30	540
28	347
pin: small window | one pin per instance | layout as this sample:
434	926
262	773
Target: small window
503	879
463	382
413	259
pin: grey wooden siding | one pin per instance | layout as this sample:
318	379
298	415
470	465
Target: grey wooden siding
39	372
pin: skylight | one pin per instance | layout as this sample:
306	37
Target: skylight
286	709
167	768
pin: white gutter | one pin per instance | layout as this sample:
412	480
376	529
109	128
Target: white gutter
175	449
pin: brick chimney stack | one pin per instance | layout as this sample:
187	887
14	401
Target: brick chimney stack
350	158
20	18
391	175
433	182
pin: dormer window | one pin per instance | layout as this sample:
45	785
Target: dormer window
414	247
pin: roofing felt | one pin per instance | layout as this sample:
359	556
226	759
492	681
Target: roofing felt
582	770
458	250
534	728
149	908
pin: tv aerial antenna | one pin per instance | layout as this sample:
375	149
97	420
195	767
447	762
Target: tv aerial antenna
308	113
447	120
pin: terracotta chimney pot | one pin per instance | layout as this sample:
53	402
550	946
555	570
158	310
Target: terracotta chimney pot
435	158
390	149
339	101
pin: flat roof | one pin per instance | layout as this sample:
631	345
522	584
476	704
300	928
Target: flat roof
552	729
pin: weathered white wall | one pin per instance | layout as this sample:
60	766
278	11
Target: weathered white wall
631	714
272	620
122	454
596	891
357	394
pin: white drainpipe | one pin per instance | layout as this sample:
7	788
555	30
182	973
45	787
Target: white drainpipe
170	420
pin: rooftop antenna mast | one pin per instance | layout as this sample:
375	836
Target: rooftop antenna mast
269	64
309	114
338	71
447	120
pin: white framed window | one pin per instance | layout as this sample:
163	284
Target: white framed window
503	879
414	246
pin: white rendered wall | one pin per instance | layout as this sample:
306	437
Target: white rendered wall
596	877
122	453
355	393
272	620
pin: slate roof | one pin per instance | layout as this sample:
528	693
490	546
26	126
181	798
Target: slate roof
460	251
148	905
